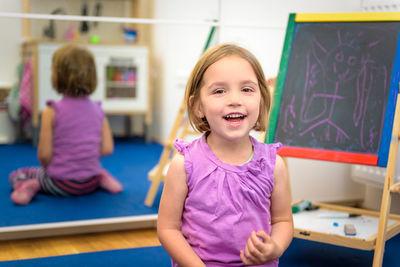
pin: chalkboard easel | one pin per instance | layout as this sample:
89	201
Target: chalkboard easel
336	99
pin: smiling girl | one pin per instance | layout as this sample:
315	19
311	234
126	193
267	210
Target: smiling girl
226	198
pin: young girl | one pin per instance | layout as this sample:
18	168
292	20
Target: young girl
74	134
226	199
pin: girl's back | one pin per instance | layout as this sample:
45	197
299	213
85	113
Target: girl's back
76	138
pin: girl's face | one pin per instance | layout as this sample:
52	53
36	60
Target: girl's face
230	98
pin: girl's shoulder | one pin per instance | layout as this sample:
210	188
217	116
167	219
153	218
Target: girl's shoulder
97	103
48	112
68	102
183	146
51	103
189	152
267	153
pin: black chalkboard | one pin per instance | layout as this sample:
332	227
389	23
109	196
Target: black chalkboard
336	86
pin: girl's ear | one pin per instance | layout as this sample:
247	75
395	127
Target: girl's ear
196	106
199	111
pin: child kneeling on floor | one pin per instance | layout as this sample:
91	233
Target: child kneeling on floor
74	134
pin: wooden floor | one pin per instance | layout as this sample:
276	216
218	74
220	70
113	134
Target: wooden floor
74	244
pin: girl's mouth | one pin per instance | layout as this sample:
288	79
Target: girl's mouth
234	117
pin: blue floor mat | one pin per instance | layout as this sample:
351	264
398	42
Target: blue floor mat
305	253
131	161
146	257
301	253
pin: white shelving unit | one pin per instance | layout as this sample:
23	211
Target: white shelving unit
110	92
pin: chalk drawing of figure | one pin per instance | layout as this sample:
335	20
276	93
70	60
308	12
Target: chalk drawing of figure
331	69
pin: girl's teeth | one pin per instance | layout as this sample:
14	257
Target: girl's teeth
234	116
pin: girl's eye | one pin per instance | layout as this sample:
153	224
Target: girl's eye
219	91
247	89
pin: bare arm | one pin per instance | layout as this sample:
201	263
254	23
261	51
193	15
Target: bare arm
107	142
45	147
272	246
281	211
170	213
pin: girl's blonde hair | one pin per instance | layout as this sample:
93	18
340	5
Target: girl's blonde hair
192	93
73	71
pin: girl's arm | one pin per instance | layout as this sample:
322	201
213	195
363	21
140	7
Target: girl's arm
261	247
107	142
281	211
45	147
170	213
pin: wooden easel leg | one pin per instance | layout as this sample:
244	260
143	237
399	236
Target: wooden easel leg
386	196
383	218
151	194
158	176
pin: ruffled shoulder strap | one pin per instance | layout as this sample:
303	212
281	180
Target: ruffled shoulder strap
53	104
50	103
183	147
275	147
266	156
271	151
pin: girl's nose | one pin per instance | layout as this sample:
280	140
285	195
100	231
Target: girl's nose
235	98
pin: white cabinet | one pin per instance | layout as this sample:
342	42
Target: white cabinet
122	73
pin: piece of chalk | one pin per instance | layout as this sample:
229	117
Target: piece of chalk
332	215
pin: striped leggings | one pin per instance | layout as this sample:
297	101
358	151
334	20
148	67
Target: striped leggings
55	186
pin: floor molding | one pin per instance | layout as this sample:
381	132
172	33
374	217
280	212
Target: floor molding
78	227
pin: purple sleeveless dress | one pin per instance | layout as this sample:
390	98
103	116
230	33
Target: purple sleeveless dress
225	203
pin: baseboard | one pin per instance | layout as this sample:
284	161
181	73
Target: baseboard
78	227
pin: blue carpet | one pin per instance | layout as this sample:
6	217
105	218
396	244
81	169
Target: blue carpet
305	253
131	161
301	253
146	257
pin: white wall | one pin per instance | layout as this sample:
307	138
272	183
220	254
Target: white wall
10	32
177	48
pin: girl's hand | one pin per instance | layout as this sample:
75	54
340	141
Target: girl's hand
260	248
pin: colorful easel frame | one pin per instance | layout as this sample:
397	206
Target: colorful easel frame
379	159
